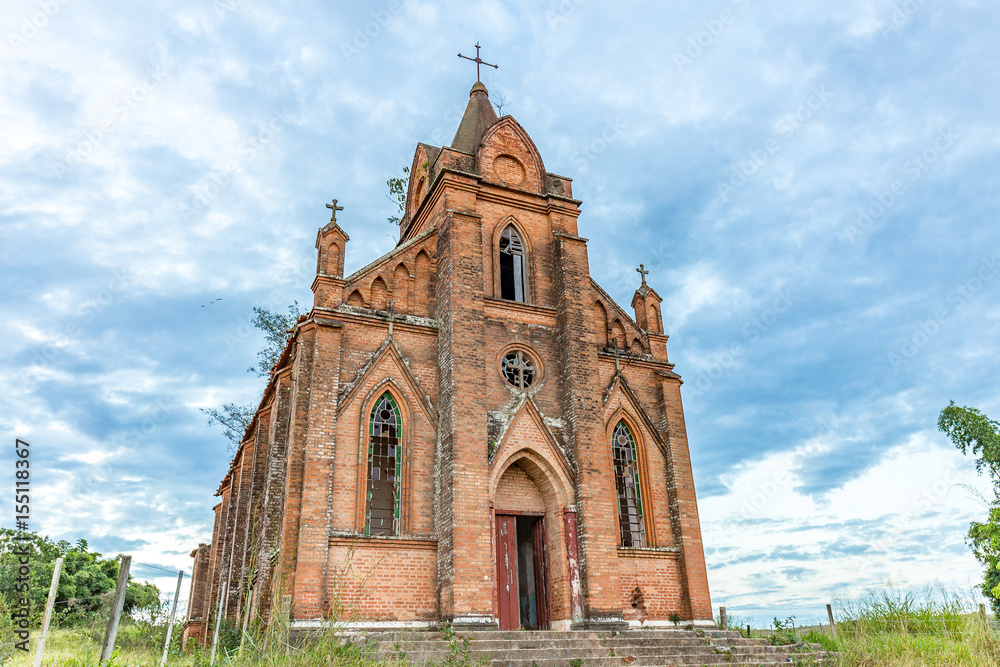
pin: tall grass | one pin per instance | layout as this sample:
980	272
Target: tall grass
892	626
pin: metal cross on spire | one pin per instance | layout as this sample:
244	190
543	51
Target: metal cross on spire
479	61
643	272
334	208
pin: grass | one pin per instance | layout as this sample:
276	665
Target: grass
887	628
79	647
893	627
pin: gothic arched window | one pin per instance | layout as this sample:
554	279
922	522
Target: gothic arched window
511	265
385	468
627	483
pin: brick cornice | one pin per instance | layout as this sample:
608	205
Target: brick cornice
517	308
663	368
327	280
383	542
375	318
662	553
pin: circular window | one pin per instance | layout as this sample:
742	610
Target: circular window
518	369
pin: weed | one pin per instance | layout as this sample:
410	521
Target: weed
826	641
784	632
458	651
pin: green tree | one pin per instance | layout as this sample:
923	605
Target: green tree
972	431
275	327
85	584
397	194
233	417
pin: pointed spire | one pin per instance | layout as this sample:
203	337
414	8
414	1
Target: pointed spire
479	115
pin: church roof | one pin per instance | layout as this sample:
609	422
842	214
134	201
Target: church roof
479	115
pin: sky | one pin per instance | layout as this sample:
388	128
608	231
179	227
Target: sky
810	185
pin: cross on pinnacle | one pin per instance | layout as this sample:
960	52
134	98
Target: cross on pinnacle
334	208
643	272
479	61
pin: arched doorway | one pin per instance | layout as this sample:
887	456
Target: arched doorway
521	536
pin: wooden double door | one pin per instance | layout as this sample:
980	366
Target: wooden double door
522	582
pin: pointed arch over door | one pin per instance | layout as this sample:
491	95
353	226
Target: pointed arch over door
512	265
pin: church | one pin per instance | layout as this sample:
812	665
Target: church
468	431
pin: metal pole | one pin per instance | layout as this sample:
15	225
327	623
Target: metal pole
833	626
116	610
173	615
218	624
53	589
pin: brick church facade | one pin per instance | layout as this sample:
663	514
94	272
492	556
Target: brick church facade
468	430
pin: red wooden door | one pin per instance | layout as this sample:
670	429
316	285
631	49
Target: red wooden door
541	572
507	595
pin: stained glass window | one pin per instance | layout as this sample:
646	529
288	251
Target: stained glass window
385	468
627	483
511	265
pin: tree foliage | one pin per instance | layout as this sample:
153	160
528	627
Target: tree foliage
397	195
275	327
234	420
972	431
86	584
233	417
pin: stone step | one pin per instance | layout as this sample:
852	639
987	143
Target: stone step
621	661
492	644
629	648
691	655
408	635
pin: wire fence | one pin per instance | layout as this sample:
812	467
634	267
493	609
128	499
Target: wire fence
954	621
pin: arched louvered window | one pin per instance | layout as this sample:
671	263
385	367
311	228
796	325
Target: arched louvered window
511	265
627	483
385	468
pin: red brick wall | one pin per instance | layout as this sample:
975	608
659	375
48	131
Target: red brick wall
516	491
301	477
382	579
658	578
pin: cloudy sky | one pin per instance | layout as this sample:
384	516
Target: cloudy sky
808	184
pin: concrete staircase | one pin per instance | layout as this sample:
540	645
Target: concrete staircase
629	648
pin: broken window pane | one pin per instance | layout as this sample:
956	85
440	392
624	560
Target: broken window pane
384	468
633	530
511	265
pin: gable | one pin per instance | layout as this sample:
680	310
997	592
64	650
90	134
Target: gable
508	157
619	399
387	365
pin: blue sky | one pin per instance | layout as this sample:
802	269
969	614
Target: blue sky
811	187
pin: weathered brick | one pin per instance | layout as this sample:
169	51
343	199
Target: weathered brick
427	323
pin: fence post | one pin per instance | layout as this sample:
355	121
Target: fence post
116	610
53	589
833	626
173	614
982	615
218	624
723	624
